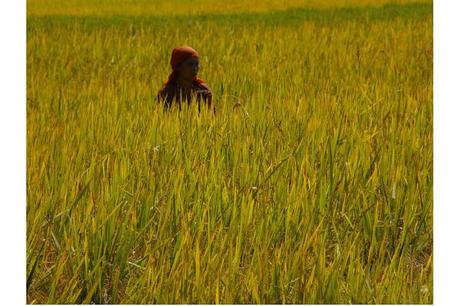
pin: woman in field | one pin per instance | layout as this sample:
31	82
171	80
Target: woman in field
183	82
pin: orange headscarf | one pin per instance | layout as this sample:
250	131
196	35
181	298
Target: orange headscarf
179	55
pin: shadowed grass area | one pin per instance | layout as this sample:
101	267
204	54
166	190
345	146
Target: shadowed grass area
311	184
189	7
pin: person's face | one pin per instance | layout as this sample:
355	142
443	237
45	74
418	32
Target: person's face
189	68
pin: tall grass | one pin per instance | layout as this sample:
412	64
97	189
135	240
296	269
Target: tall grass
311	184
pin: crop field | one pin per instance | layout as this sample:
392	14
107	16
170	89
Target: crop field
312	183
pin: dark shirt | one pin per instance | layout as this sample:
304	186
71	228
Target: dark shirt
171	93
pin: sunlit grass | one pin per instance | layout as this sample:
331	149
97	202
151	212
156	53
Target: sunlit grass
311	184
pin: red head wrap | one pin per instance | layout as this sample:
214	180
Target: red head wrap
179	55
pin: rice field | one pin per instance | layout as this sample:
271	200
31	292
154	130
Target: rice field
312	183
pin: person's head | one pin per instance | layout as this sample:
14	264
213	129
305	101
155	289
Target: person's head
185	62
188	69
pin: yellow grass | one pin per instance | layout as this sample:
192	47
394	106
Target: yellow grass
311	184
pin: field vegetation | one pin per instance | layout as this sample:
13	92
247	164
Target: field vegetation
312	183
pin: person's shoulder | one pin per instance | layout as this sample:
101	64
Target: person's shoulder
202	87
166	88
